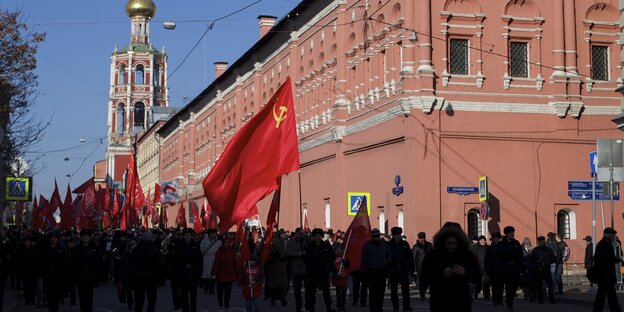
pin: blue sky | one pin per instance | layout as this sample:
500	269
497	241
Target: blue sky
74	67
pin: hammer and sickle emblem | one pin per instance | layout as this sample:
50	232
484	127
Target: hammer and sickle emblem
282	114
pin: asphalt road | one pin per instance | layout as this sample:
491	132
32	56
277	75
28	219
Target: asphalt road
575	298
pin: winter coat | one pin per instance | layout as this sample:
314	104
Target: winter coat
493	265
145	263
209	250
277	266
605	261
224	267
294	249
418	251
450	293
589	257
83	265
541	258
376	256
319	258
511	257
401	258
188	261
251	281
479	252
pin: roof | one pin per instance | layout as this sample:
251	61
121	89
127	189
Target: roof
260	51
138	47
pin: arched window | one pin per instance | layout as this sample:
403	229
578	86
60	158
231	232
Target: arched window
474	223
327	213
382	221
400	218
139	117
120	119
140	75
566	224
156	77
122	75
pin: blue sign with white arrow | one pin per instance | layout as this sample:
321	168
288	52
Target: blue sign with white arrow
584	186
586	195
593	163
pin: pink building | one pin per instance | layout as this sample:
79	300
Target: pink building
439	93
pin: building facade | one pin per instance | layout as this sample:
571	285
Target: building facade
439	93
138	82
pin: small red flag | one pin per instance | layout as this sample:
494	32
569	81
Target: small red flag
197	222
20	213
263	150
358	233
35	215
275	205
67	216
204	217
181	217
164	217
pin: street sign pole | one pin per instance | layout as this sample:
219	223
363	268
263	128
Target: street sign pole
611	185
594	213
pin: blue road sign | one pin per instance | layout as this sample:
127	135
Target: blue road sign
586	186
593	163
462	190
586	195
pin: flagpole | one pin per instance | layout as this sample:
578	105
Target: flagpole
300	201
348	239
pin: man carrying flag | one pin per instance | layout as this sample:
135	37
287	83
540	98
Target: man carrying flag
263	150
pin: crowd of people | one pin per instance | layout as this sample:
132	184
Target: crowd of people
64	267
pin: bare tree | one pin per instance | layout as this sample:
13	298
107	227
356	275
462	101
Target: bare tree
22	127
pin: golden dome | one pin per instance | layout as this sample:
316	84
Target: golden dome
145	8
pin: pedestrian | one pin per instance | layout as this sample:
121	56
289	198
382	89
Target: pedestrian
53	260
605	263
209	248
540	259
225	272
340	278
483	282
493	268
277	271
251	280
376	258
449	269
589	257
509	253
295	249
319	259
564	252
419	250
27	260
145	263
401	268
83	263
527	282
188	269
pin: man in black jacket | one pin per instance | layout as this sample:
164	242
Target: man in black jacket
145	266
376	258
319	258
510	255
493	269
401	267
419	250
478	250
605	261
589	256
53	259
83	264
188	267
540	260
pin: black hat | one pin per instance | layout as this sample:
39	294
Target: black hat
422	235
330	232
375	233
317	231
509	229
211	230
610	230
588	238
482	237
188	230
396	230
53	234
85	232
541	238
496	235
474	237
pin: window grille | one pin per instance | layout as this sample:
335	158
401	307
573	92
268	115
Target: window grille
458	57
563	224
518	63
600	63
474	224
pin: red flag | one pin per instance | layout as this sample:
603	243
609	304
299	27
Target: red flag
263	150
204	217
87	209
20	213
197	222
55	199
244	252
358	233
134	193
270	224
42	214
164	218
67	217
181	217
148	210
35	215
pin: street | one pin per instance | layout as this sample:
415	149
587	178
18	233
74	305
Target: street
576	298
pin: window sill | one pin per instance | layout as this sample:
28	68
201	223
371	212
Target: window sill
527	83
446	79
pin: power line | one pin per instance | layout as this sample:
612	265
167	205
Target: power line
68	148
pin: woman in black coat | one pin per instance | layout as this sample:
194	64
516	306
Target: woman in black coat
448	268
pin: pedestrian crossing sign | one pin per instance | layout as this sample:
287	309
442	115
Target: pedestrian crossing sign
354	200
17	189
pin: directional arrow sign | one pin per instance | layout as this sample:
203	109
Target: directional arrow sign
593	163
584	186
586	195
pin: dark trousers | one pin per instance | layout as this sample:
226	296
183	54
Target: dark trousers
30	289
85	296
497	288
511	282
2	283
298	281
483	284
318	280
224	292
360	288
422	286
341	298
188	295
175	294
141	291
278	294
377	285
53	293
395	280
608	290
539	277
71	287
209	285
